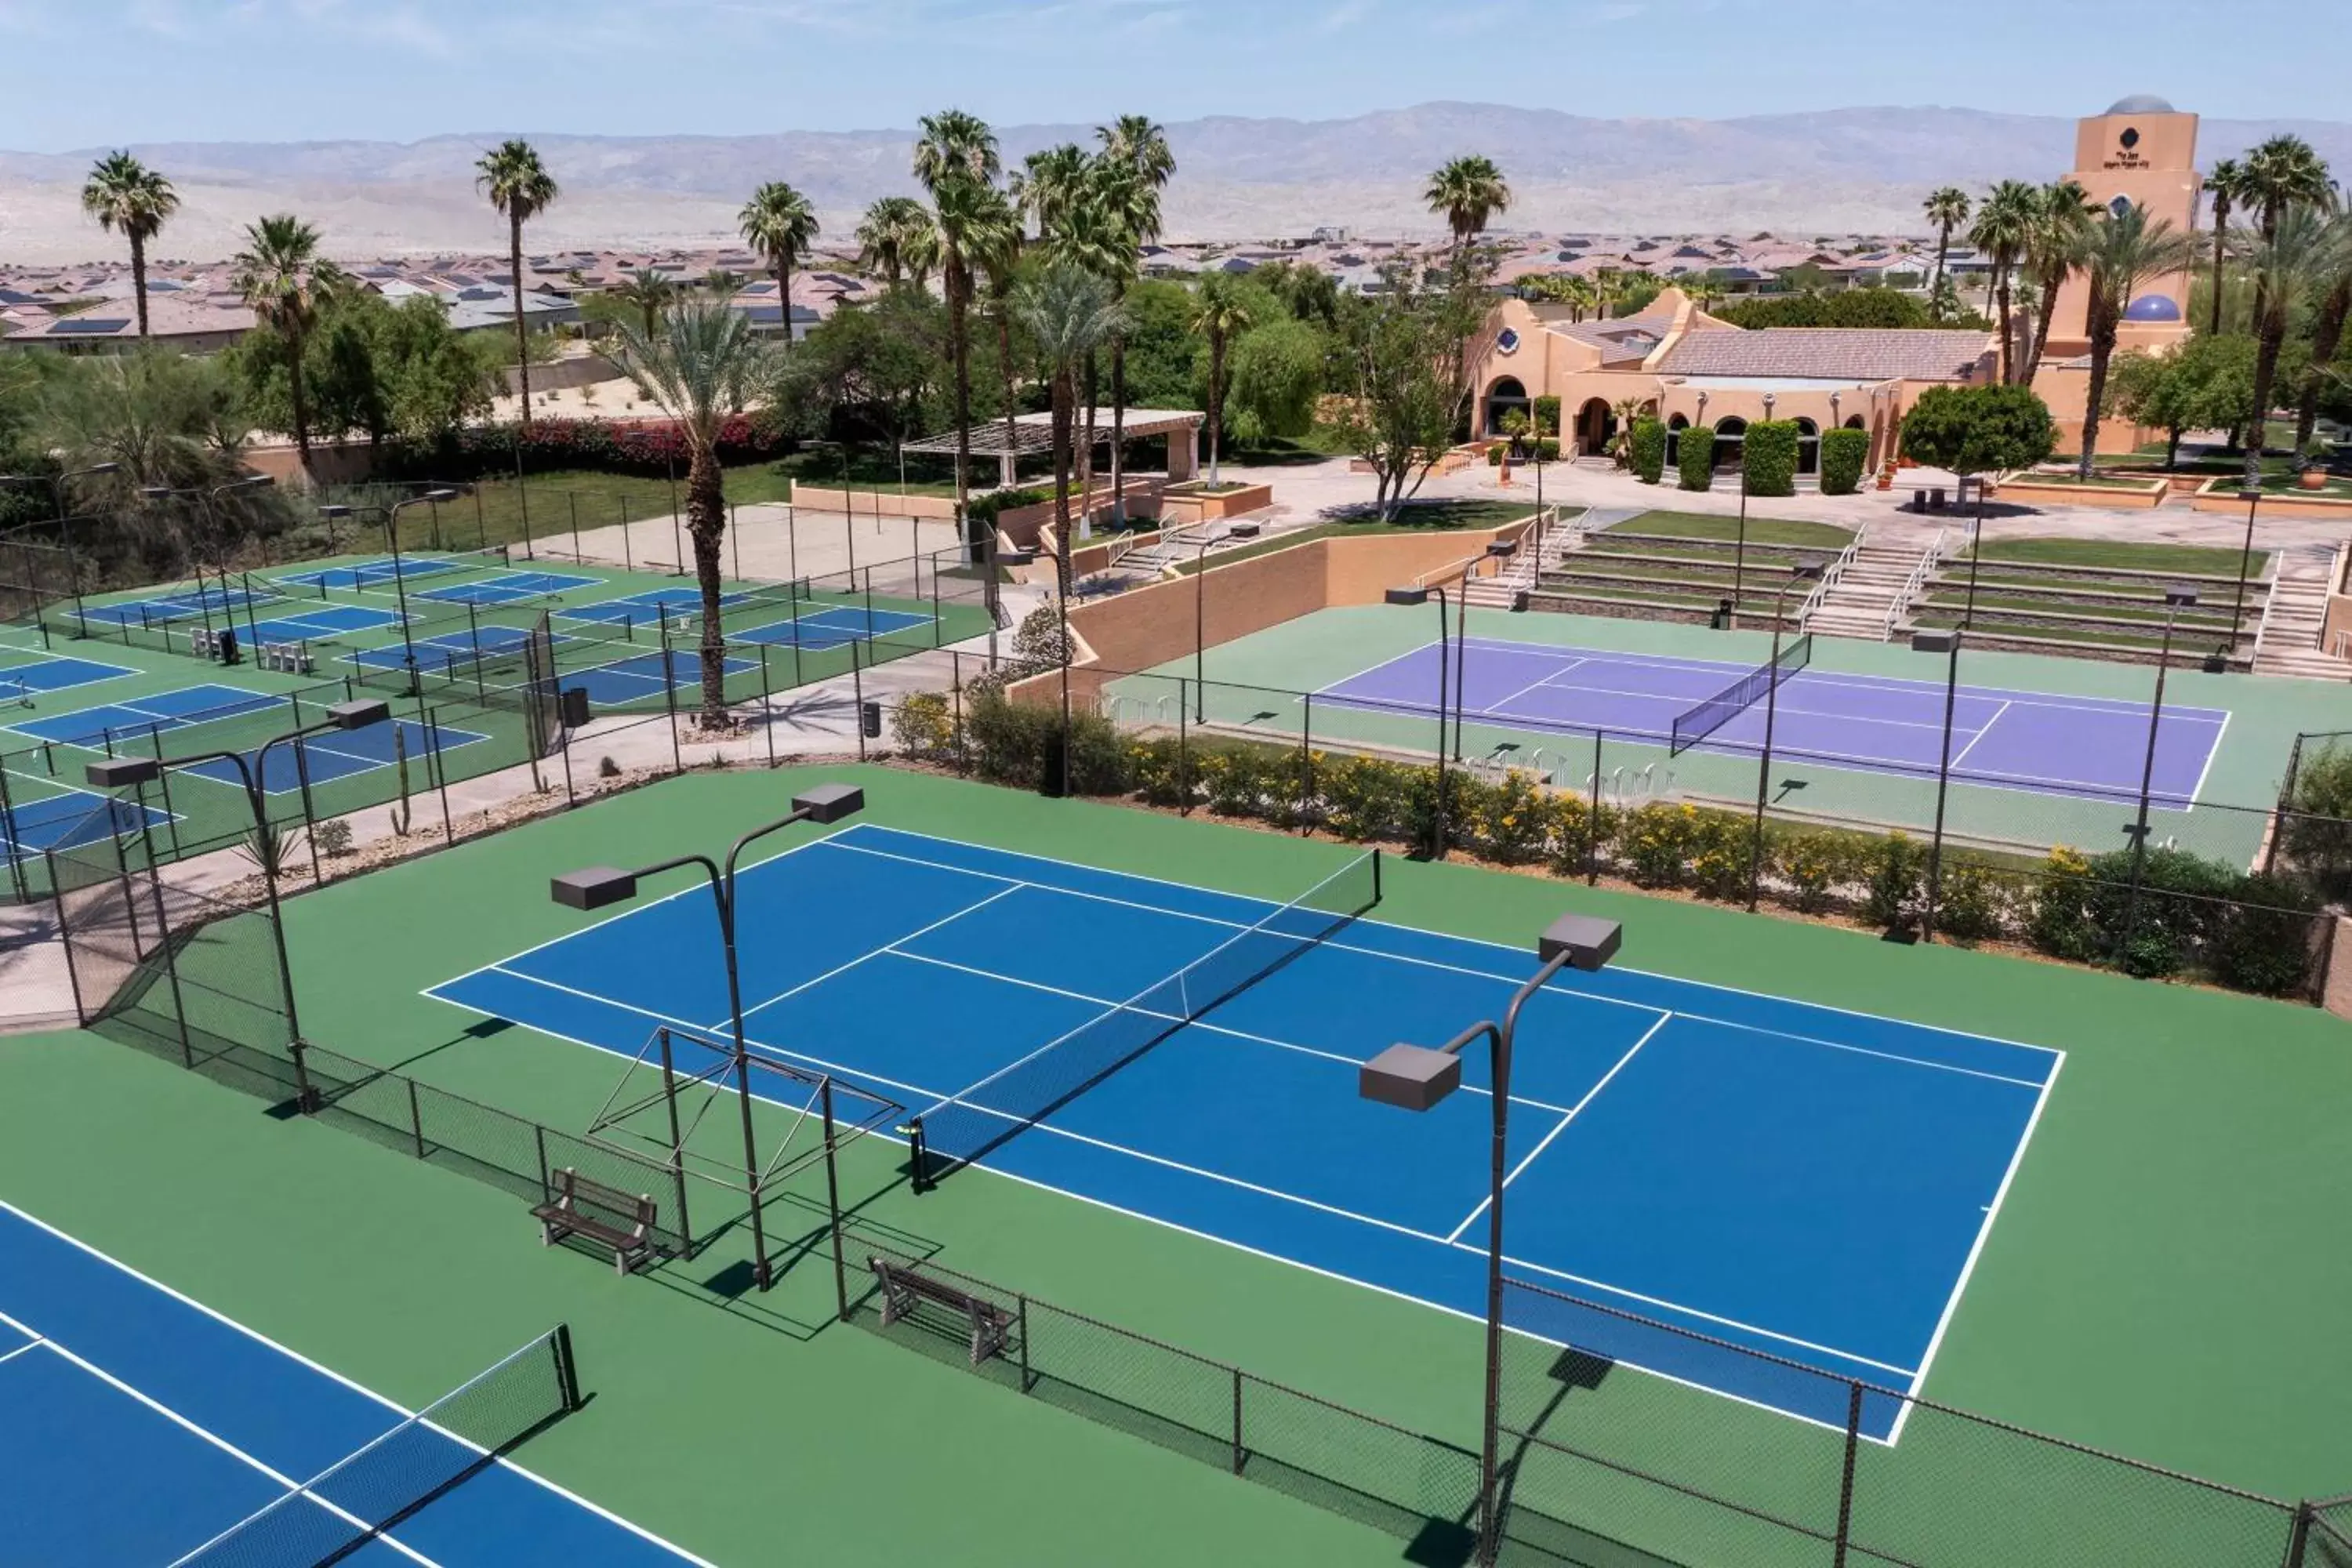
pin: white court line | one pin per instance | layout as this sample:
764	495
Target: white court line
1545	680
1982	730
1371	668
402	1411
36	1343
2212	751
1976	1250
1201	1024
289	1483
875	952
1590	1095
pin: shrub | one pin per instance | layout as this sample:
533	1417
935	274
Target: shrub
1159	769
1695	457
2062	924
1654	842
1722	845
1548	415
649	449
1366	798
1972	902
1512	820
1979	429
1769	458
1816	865
1894	864
925	725
332	837
1649	450
2264	943
1580	832
982	510
1517	452
1842	455
607	768
2317	840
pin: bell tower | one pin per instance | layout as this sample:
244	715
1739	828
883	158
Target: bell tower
2142	151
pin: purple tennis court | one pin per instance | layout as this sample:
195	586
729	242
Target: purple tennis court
2034	740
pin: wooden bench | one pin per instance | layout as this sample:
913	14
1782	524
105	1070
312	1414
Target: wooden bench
607	1216
903	1289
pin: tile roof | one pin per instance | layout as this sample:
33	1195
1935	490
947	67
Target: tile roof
1830	353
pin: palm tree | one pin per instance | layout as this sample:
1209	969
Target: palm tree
700	367
649	291
996	254
1094	234
779	224
284	281
2004	227
2119	253
2280	173
2226	185
1070	313
1048	182
2333	288
1466	192
956	161
126	195
2062	215
1219	315
2305	243
722	284
1578	295
895	238
519	186
1135	146
1946	209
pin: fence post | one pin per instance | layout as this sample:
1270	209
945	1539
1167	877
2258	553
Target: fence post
1237	1421
539	1141
309	811
857	693
1021	1308
522	499
676	1139
8	831
1845	1482
573	497
1183	748
767	706
1592	819
2298	1534
621	505
669	696
438	770
415	1120
1306	762
832	1201
66	935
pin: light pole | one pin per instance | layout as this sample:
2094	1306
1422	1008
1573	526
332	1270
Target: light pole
1415	1078
601	887
2174	601
1420	594
2252	496
1803	571
56	483
1946	641
399	572
121	772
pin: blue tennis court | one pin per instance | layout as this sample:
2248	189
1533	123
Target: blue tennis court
383	571
97	728
2032	740
1789	1177
649	608
321	621
506	588
55	673
168	609
447	651
341	755
143	1427
68	821
829	626
639	679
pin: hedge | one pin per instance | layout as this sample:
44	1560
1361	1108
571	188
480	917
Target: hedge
1649	447
1695	457
1495	453
648	449
1843	454
1548	415
1768	458
2193	917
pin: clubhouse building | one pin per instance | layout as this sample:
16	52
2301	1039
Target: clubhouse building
1677	364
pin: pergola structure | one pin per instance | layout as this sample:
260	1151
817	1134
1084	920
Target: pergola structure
1031	433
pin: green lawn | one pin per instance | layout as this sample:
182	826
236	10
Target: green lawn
2200	560
2119	483
1955	596
1418	516
1760	530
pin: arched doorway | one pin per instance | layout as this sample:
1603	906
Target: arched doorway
1674	429
1505	394
1596	426
1809	445
1730	441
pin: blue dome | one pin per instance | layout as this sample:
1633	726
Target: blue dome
2153	308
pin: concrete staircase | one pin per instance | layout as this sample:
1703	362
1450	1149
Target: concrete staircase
2288	642
1885	568
1560	540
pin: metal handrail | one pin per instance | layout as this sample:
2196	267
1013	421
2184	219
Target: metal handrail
1926	564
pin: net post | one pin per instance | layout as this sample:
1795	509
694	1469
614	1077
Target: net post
1021	1311
539	1142
567	1368
1377	862
1845	1482
1237	1420
919	1160
415	1120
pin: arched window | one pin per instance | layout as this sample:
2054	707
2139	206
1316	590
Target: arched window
1674	429
1853	422
1730	441
1809	445
1504	395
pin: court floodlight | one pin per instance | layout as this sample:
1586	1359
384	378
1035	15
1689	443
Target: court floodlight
157	492
829	803
1806	571
1935	639
1410	1078
358	715
2181	598
597	887
1500	548
121	772
335	509
443	493
1587	941
1417	595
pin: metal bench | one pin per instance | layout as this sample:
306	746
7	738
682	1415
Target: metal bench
607	1216
903	1289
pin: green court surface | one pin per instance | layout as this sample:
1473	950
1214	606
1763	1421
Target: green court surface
1255	685
2160	1282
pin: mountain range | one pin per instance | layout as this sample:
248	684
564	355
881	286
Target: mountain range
1834	172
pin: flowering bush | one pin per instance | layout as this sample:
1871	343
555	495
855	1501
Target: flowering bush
647	447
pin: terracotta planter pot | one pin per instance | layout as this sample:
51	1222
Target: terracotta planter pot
2311	479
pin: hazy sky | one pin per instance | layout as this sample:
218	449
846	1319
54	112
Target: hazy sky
87	72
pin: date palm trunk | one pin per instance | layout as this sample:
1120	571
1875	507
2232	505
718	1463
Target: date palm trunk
706	525
522	333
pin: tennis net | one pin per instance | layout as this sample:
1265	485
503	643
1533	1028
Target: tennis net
1705	719
357	1498
961	1128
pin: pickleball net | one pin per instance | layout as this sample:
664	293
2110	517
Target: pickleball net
967	1124
1696	724
359	1497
